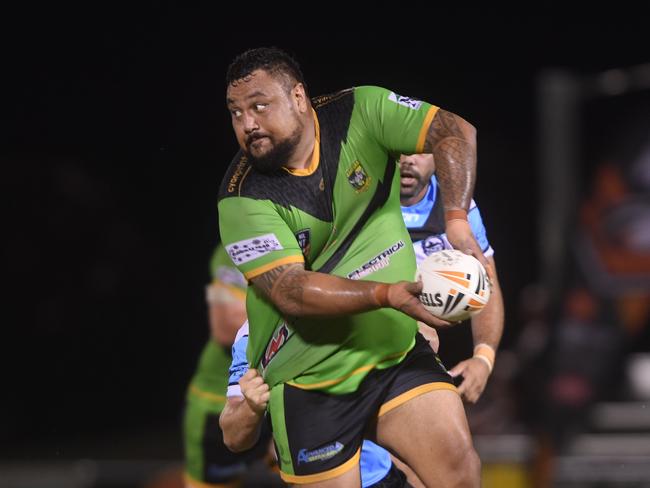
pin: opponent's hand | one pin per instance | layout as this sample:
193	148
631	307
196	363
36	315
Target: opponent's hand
255	391
475	375
405	297
431	335
460	235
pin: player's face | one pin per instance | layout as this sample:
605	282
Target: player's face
265	119
415	173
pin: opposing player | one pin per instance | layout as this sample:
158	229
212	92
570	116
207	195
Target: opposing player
207	460
309	212
423	214
244	415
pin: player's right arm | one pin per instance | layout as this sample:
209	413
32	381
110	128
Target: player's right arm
265	250
297	292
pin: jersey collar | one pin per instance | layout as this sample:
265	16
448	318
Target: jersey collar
315	157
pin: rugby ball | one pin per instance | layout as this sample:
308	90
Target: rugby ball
455	285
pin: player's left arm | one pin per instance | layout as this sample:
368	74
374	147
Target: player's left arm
452	141
487	329
405	125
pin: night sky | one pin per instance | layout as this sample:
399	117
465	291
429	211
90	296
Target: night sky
114	139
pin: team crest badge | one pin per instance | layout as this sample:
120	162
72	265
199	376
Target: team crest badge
304	241
358	178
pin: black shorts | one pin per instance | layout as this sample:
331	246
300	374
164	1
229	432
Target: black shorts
318	436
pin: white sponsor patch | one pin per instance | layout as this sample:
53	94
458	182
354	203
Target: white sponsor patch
406	101
244	251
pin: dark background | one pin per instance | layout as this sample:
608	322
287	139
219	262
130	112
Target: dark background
114	139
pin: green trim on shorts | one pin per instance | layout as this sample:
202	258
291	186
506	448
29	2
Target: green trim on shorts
280	437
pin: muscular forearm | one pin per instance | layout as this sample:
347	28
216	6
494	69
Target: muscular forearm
452	141
240	425
299	293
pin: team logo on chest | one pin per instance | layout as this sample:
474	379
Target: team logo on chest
304	241
358	178
433	244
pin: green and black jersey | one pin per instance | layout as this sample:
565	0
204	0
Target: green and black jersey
340	216
210	379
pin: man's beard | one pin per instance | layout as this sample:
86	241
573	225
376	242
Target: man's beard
278	156
414	189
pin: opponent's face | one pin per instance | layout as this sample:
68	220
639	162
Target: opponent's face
415	173
266	118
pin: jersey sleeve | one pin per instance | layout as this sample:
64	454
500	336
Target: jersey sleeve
478	229
239	364
255	236
397	122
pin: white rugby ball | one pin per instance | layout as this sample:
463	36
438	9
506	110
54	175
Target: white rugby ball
455	285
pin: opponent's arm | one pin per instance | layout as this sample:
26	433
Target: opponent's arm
241	418
300	293
487	329
452	141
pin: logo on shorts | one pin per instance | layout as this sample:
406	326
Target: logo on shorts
358	178
320	454
380	261
304	241
279	339
244	251
411	103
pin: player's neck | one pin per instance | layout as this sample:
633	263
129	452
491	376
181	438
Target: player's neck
302	156
417	198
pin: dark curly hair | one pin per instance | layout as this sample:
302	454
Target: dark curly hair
273	60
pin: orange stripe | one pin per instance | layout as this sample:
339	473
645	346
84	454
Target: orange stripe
192	483
409	395
460	281
213	397
362	369
458	274
425	128
315	156
274	264
325	475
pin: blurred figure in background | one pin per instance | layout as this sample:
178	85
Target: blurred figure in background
605	312
208	462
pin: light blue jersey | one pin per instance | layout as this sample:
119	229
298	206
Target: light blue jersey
425	223
375	461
